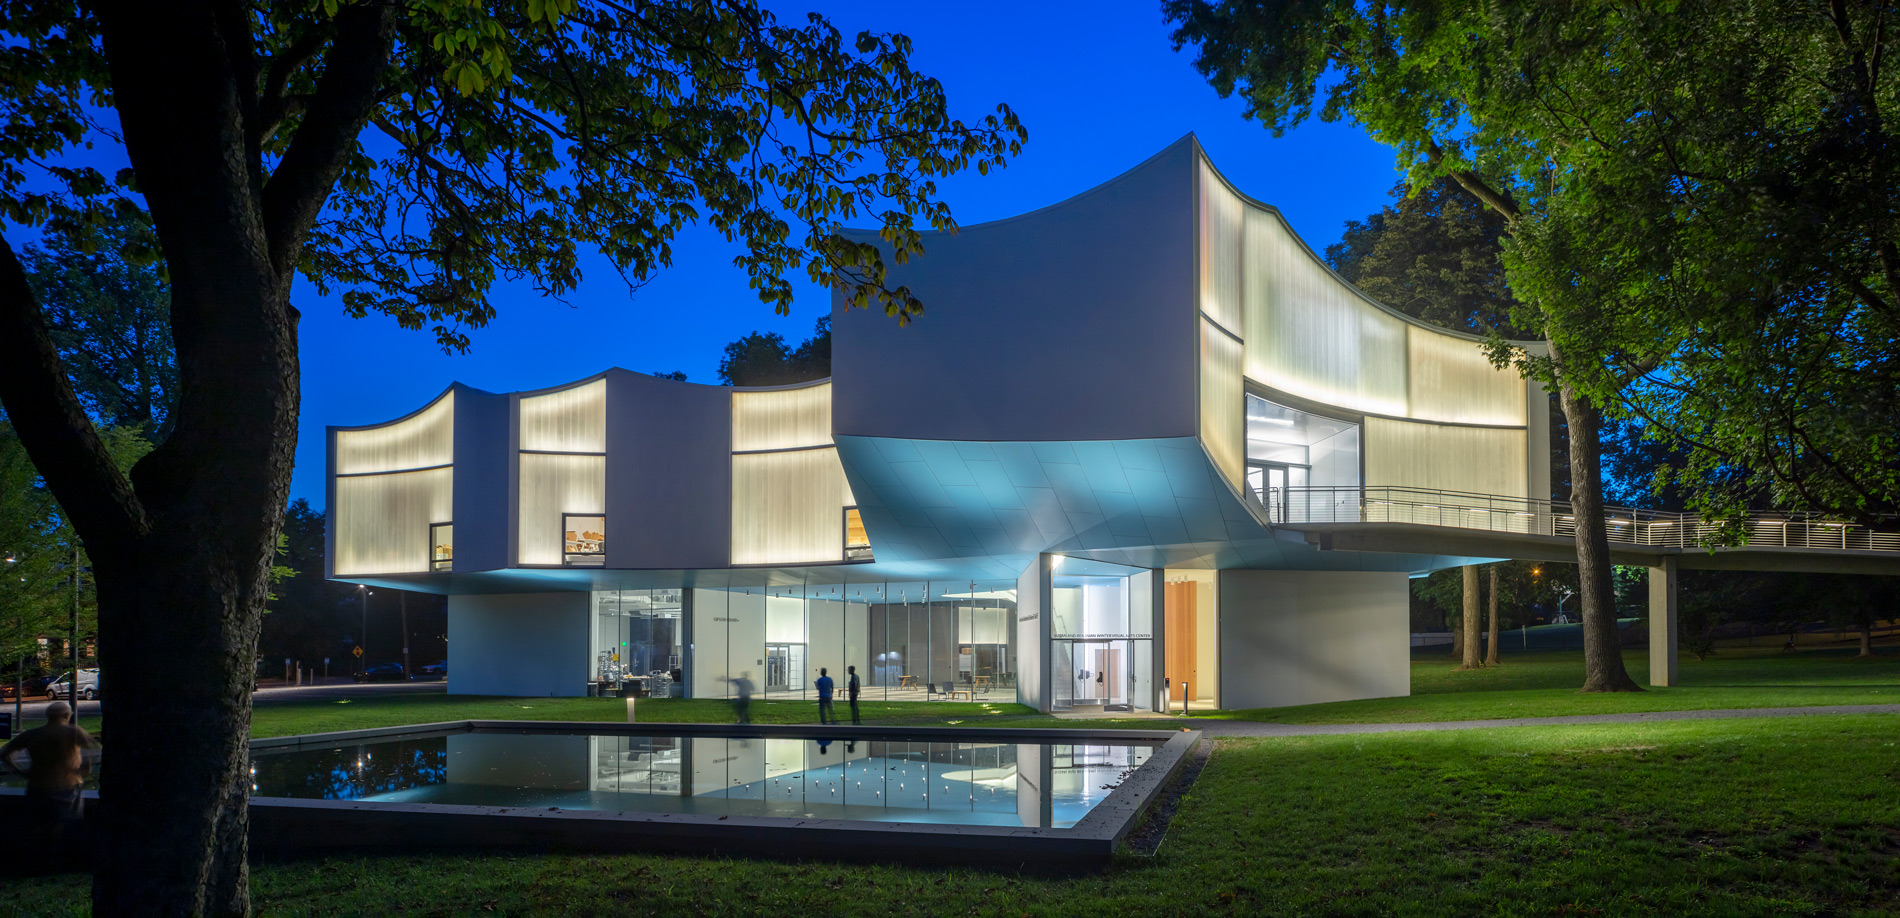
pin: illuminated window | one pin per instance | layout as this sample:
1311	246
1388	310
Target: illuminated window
857	542
562	476
584	539
442	546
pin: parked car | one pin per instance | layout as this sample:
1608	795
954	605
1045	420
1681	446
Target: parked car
437	670
31	686
383	672
61	685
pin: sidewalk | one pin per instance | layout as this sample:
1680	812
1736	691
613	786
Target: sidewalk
1215	727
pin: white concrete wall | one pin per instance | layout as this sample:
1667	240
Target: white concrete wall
1306	637
519	644
1032	634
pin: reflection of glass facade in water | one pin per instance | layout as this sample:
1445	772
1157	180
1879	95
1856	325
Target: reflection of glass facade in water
909	640
995	784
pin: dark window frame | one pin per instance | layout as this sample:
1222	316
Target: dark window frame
439	564
855	552
601	554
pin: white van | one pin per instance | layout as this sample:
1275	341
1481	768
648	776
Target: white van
88	684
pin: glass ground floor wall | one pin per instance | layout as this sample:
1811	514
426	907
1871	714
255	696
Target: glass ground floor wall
919	640
1101	640
638	646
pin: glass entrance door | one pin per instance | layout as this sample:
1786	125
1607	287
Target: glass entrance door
1275	484
784	667
1109	675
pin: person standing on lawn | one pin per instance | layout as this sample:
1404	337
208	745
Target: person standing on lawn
851	691
58	768
825	716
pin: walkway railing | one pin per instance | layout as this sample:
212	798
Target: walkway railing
1293	506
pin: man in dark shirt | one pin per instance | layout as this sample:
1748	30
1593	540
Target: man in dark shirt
824	698
59	766
851	691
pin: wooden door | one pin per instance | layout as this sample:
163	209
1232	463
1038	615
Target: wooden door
1180	614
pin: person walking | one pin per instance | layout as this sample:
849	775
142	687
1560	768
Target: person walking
58	768
825	716
741	696
851	691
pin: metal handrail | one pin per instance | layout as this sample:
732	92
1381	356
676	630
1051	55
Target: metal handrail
1497	513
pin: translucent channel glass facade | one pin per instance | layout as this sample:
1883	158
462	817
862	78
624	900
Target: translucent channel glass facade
562	468
393	483
1426	408
789	493
908	640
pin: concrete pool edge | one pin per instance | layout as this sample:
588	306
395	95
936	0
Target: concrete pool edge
280	824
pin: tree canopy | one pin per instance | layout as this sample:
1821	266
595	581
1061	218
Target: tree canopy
109	309
763	359
403	155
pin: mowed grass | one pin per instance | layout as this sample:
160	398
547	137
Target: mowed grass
1770	817
1544	684
367	709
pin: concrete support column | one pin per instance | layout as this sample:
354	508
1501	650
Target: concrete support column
1158	646
1662	623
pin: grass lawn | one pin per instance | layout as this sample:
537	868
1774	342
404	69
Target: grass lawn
369	710
1771	817
1544	684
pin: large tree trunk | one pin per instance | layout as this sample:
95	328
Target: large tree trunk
1491	621
182	552
1468	618
174	787
1602	650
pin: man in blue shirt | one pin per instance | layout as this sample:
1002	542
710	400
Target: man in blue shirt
824	698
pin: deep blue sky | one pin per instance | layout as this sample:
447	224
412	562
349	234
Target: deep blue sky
1096	84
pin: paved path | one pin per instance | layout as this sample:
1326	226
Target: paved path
33	713
1213	727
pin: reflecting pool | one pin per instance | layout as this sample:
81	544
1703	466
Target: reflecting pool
1048	785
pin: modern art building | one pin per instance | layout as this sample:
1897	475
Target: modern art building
1079	481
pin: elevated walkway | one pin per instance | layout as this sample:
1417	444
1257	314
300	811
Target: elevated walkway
1393	519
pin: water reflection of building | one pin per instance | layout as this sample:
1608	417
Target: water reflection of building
1076	482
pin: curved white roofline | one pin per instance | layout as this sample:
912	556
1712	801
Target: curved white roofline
1201	152
398	420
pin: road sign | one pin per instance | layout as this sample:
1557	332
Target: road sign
357	650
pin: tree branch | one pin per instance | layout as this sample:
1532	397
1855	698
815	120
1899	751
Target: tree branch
274	101
53	426
337	113
1499	201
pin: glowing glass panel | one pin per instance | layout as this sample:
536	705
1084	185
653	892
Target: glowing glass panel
569	421
1476	460
382	521
1222	402
781	418
420	441
787	507
1451	379
553	484
1222	213
1309	334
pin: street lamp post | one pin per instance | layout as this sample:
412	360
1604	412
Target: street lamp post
72	636
403	598
19	675
362	644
